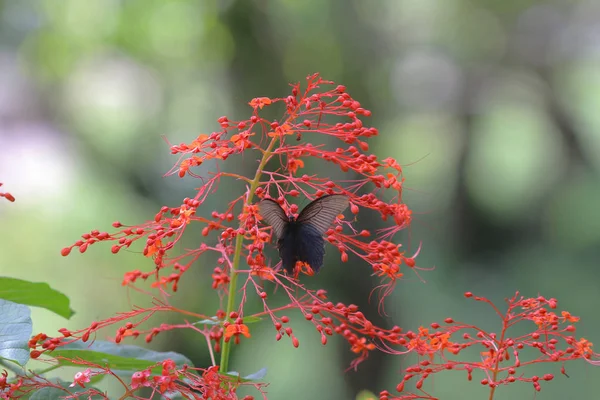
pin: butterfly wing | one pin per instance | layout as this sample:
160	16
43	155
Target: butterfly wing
274	215
321	212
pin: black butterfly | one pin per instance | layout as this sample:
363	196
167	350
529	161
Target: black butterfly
301	239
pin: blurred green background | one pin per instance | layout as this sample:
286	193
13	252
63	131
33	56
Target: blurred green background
493	107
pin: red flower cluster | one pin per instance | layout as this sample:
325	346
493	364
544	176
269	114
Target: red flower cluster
307	117
320	125
549	339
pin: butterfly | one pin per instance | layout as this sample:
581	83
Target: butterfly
301	239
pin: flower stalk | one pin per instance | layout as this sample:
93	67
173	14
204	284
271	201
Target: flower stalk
237	255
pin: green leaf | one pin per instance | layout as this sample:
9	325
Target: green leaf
366	395
251	319
118	357
48	393
208	322
36	294
15	331
102	359
257	376
215	321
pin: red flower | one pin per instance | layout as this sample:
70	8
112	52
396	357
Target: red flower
81	378
260	102
140	379
236	330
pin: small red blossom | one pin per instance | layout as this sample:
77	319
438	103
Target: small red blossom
584	347
81	378
567	317
260	102
220	279
294	164
242	140
235	330
264	273
165	383
153	248
140	379
361	345
131	277
303	268
281	131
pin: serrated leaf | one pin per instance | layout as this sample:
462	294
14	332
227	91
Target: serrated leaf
36	294
118	357
15	331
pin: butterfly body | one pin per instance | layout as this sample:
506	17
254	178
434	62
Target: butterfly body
301	239
301	242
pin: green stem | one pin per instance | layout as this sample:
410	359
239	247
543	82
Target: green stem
498	356
239	240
